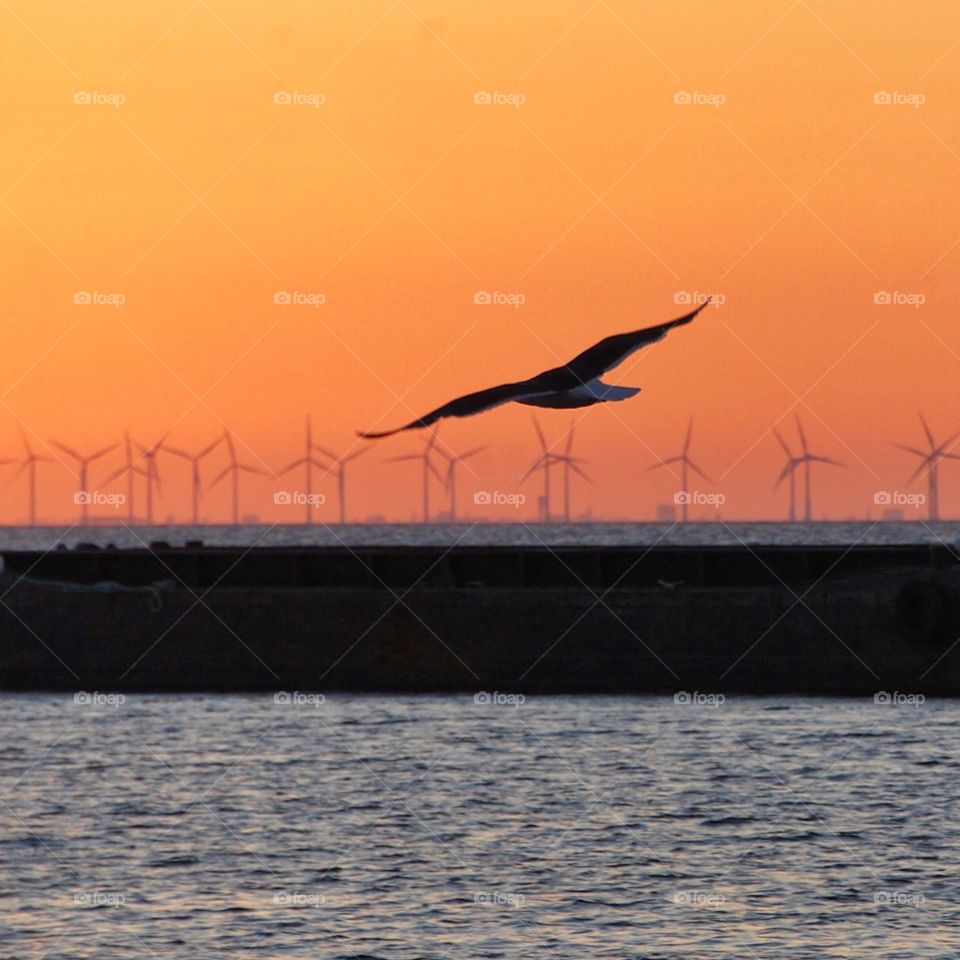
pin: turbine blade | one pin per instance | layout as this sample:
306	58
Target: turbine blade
664	463
210	447
326	452
787	470
537	464
69	451
927	431
471	453
783	443
686	442
803	436
578	471
294	465
220	476
351	456
102	452
408	456
913	450
926	465
697	470
569	446
540	436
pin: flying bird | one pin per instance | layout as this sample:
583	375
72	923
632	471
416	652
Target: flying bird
576	384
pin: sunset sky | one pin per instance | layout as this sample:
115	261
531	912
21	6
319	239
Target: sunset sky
813	171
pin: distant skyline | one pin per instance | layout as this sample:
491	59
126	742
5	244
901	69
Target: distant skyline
225	222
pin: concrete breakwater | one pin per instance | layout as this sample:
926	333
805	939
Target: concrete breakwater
532	619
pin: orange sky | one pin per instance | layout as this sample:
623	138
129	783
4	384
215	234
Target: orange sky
598	198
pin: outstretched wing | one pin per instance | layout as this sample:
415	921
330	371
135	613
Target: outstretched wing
612	351
465	406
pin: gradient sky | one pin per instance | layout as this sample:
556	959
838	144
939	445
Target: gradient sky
599	199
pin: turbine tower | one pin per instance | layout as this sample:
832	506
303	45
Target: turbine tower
29	464
930	461
339	469
234	468
686	464
454	461
808	459
545	462
131	470
789	471
308	461
83	474
428	469
195	459
150	472
570	465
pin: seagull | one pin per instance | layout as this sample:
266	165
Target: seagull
576	384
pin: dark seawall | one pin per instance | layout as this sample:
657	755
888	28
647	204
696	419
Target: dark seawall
533	618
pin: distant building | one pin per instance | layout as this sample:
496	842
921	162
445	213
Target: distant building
666	513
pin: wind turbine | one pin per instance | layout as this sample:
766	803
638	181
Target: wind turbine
428	468
84	463
309	461
150	472
453	461
29	464
686	464
195	459
545	462
930	461
570	465
808	459
789	470
131	470
235	468
338	468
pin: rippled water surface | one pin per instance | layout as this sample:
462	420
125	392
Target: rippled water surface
717	533
404	827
